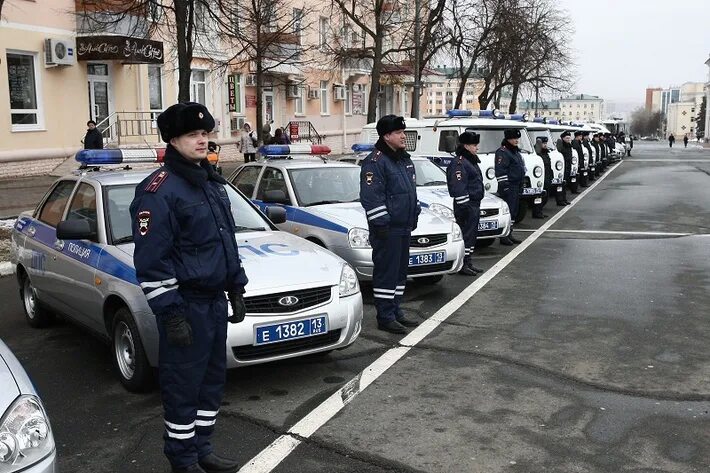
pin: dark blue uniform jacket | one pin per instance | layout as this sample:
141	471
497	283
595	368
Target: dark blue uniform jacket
388	188
509	166
183	229
464	178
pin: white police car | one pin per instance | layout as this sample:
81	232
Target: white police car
26	440
300	299
433	194
321	199
538	128
436	139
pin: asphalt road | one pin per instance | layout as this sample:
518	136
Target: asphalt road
588	352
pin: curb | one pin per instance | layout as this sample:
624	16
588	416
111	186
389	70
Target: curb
6	268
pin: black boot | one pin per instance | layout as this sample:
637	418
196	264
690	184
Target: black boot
213	463
512	238
406	321
470	265
505	241
392	326
466	271
189	469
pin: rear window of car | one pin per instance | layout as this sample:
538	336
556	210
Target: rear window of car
53	208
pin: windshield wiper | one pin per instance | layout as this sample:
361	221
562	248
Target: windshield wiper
434	183
356	200
323	202
240	228
125	239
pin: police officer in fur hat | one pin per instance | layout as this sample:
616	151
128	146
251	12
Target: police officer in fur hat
510	172
388	193
186	258
465	183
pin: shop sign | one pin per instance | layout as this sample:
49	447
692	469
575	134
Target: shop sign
121	48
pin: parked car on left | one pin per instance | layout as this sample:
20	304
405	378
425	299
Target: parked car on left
26	440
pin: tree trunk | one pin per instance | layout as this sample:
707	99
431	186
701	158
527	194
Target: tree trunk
514	99
259	92
375	82
184	49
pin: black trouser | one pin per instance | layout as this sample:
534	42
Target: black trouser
467	217
390	257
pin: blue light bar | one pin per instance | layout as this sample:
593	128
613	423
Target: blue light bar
553	122
459	113
363	147
100	157
296	148
540	120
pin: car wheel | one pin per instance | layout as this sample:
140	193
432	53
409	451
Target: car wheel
36	315
484	243
129	357
429	279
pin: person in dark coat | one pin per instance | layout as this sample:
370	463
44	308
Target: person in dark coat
671	140
631	145
583	166
93	138
465	182
685	141
388	193
510	172
564	146
186	258
542	151
594	165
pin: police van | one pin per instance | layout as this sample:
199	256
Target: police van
436	139
73	255
579	164
538	129
433	194
321	199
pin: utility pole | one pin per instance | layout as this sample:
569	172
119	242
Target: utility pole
417	73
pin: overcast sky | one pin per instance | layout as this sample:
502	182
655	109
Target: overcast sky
643	42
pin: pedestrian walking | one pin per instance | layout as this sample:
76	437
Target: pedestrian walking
564	146
93	138
248	143
685	141
186	258
542	151
465	183
388	193
671	140
631	145
280	138
510	171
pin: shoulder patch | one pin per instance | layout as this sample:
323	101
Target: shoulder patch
458	175
156	182
143	222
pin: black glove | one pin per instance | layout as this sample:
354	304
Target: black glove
239	310
381	233
178	331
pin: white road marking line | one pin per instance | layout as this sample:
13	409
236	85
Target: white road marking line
269	458
617	232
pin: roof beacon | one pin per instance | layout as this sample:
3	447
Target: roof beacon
363	147
102	157
456	113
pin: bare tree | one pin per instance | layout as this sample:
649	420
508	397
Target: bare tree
646	123
2	2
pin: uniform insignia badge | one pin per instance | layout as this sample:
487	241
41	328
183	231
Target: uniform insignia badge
156	182
458	175
201	115
369	177
143	222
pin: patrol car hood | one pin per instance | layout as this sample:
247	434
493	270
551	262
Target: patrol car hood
351	215
440	195
274	261
13	379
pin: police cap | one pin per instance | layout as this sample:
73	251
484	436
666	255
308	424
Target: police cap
541	139
469	138
585	133
511	133
578	133
390	123
565	134
183	118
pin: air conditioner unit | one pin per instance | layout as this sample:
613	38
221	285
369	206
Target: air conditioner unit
314	93
250	80
59	52
339	92
293	91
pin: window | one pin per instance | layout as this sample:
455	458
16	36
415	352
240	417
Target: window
298	23
53	208
245	181
272	180
448	140
155	92
25	98
347	36
201	16
405	93
324	105
83	206
238	94
322	32
198	86
300	104
348	99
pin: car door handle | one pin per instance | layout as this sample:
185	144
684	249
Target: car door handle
59	245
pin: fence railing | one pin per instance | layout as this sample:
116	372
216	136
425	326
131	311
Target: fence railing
133	127
299	131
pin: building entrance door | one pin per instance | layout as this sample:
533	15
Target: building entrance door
100	103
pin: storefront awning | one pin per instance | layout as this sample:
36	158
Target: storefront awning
120	48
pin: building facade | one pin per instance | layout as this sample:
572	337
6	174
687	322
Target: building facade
680	106
650	93
578	108
707	103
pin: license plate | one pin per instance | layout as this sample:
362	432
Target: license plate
291	330
492	225
593	169
574	179
559	189
538	200
427	258
531	190
584	173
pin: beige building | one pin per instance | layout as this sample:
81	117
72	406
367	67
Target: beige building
707	102
442	88
681	106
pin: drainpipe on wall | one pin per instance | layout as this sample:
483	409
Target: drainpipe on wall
345	121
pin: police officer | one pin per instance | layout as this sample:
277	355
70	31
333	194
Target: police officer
584	169
542	151
597	151
186	258
465	183
510	171
564	146
594	167
388	193
598	138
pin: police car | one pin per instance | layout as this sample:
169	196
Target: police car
579	165
321	199
436	139
74	255
433	194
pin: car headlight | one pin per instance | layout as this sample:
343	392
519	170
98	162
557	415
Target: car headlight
537	171
456	232
504	209
491	173
348	281
25	434
442	211
559	165
574	160
359	238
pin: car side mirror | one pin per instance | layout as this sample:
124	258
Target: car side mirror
276	214
75	230
275	197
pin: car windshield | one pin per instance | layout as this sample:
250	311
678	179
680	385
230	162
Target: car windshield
535	134
428	173
119	198
326	185
555	135
491	138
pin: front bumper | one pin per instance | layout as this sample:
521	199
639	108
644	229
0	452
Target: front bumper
344	315
502	230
